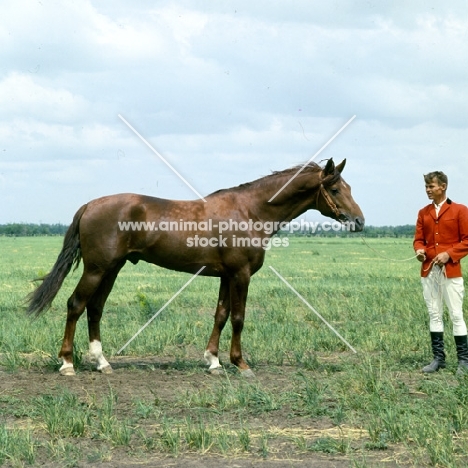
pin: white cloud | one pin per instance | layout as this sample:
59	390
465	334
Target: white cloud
22	96
183	23
228	91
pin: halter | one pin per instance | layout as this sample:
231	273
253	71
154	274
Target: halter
329	201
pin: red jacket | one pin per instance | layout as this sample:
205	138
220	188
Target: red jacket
447	233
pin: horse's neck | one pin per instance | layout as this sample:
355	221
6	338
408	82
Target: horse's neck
288	204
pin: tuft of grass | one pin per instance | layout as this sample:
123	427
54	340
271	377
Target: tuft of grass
118	432
324	444
144	409
63	415
309	398
198	436
17	446
244	439
65	453
170	438
438	445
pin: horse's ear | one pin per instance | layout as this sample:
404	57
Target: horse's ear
329	168
341	166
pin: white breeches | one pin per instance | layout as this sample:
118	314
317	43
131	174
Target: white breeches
438	289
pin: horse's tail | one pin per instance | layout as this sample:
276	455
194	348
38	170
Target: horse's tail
41	298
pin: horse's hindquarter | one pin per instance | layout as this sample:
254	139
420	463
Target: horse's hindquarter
105	236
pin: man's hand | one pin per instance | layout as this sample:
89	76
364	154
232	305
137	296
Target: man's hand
421	255
441	259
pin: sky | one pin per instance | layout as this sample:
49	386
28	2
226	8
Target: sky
227	92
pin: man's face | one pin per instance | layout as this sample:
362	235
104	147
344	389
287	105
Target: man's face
435	191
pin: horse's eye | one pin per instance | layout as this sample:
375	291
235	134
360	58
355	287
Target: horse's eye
334	191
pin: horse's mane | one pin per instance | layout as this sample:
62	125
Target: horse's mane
311	167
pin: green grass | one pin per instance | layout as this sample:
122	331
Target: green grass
312	394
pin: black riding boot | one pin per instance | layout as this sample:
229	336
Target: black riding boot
462	353
437	341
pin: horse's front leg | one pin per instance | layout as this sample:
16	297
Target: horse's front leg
222	313
238	289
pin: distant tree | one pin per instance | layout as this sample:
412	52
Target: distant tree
26	230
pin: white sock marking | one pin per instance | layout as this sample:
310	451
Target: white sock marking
211	360
95	351
66	365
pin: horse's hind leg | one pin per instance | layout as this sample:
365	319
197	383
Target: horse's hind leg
221	316
95	308
88	284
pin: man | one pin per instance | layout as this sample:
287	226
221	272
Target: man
440	242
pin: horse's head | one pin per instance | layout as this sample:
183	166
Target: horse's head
334	198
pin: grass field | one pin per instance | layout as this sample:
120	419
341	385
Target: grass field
312	399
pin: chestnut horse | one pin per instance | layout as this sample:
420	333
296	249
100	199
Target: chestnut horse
102	235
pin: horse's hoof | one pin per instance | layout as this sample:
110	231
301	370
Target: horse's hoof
247	373
67	371
106	370
216	371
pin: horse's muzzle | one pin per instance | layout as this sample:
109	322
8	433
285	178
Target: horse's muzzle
354	225
359	224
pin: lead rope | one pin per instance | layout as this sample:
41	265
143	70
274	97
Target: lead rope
436	276
335	210
442	268
388	258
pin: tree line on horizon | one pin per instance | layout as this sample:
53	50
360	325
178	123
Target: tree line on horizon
32	230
